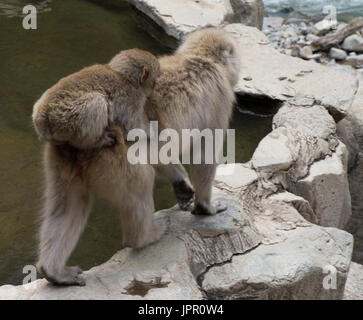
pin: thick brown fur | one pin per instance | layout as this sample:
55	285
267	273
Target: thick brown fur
195	90
70	181
76	118
80	106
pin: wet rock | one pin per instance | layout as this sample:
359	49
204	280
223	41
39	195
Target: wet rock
337	54
353	43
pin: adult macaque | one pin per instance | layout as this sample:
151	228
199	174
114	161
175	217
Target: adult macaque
195	91
74	118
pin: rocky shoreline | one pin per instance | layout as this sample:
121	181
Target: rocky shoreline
298	40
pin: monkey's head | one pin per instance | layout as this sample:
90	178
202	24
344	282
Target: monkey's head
140	67
216	45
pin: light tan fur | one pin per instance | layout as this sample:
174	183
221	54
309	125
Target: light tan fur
104	172
195	90
76	118
80	106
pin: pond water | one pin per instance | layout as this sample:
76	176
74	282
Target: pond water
71	34
345	9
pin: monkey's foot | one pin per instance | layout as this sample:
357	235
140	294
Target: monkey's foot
207	209
73	270
184	193
68	277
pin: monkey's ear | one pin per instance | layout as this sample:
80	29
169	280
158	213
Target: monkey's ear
143	76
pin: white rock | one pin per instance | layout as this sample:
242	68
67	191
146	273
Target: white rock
287	43
357	59
337	54
265	65
288	52
273	153
299	203
312	37
354	286
327	189
318	170
293	269
323	26
315	56
180	17
235	175
301	115
353	43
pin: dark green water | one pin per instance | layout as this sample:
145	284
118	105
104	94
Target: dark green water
71	34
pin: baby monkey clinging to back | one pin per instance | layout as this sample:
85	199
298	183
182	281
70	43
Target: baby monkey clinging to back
79	107
76	118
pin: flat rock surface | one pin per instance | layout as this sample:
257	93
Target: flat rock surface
278	76
293	269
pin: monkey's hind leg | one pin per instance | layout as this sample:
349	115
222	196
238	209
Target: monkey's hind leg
138	228
65	215
178	177
202	176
